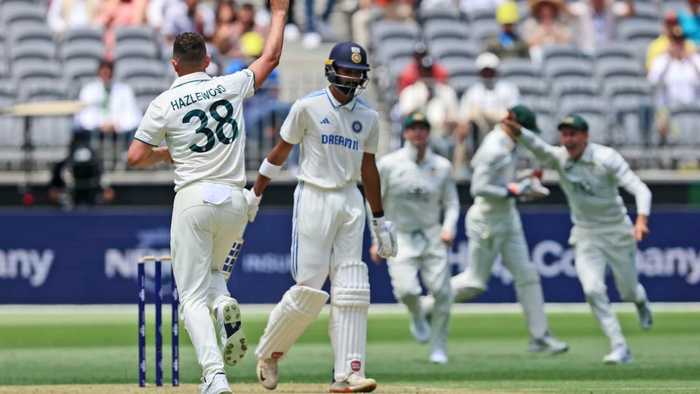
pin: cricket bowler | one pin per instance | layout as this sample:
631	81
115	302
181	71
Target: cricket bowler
200	118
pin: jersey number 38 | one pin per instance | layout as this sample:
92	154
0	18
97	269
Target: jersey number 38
222	121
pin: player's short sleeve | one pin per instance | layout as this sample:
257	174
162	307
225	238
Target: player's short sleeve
151	130
242	81
294	126
373	138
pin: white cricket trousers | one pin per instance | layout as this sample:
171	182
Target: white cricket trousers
201	236
423	252
595	248
327	242
501	234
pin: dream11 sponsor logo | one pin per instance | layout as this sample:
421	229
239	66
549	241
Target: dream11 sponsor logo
122	263
32	265
553	259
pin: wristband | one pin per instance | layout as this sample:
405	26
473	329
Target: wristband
378	215
269	170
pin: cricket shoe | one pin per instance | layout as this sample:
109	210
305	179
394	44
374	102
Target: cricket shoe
644	313
233	340
420	329
267	373
354	383
619	355
438	356
548	344
217	385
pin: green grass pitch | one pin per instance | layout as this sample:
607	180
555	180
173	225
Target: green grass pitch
487	353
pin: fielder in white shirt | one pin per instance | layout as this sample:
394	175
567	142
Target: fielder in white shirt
417	187
494	228
337	133
201	121
590	175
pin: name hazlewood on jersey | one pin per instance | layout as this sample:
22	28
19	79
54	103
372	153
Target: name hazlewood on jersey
189	99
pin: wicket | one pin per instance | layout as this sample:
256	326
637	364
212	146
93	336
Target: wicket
141	283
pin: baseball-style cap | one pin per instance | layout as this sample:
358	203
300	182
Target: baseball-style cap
507	13
573	121
525	117
414	119
487	60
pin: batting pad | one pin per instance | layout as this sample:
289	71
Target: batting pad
299	306
348	322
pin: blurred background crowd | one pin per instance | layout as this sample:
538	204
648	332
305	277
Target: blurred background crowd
631	68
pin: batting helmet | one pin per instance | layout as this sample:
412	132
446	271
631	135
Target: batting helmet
348	56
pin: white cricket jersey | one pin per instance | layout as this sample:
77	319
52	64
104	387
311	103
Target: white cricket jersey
333	138
591	183
494	166
201	119
414	194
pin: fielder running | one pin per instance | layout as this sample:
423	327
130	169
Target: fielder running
416	187
590	175
338	134
493	227
201	120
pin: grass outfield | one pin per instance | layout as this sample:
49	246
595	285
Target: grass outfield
487	353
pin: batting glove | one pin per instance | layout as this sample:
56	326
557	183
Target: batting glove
385	237
253	203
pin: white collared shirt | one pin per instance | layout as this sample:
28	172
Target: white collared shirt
333	138
494	165
116	106
414	194
201	120
591	183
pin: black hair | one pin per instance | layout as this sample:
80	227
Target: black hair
189	48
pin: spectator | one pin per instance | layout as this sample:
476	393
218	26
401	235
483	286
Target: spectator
546	26
596	21
661	44
246	23
437	100
471	6
690	21
70	14
120	13
224	39
111	112
676	78
507	43
411	73
186	16
317	30
483	106
264	112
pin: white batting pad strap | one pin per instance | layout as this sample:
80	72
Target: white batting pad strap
350	297
269	170
348	326
299	306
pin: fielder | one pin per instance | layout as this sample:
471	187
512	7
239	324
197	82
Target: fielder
494	228
338	134
416	187
201	120
590	175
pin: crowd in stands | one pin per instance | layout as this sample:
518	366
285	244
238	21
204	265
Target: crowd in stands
631	67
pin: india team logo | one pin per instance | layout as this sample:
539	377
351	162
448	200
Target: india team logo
356	56
356	126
